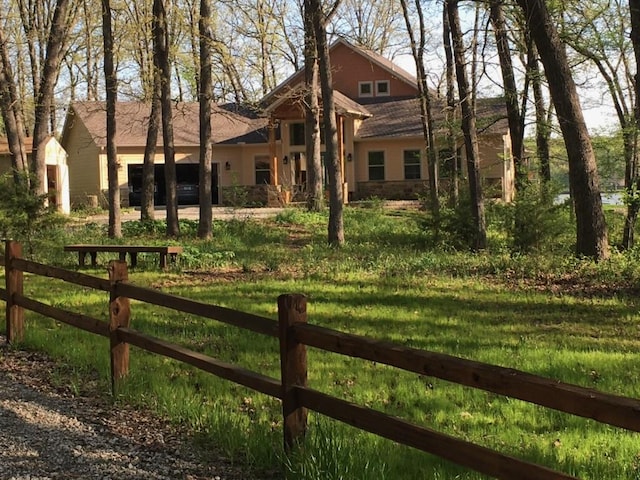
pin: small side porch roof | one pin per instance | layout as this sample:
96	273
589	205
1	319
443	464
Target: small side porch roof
291	105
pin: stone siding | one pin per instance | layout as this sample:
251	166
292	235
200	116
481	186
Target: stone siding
244	195
391	190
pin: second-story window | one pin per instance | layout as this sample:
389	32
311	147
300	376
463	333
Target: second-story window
365	89
382	88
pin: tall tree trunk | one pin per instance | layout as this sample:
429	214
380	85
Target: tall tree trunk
195	42
206	97
632	182
161	59
543	130
333	163
515	117
591	238
12	116
634	6
315	194
615	73
469	130
426	113
450	112
147	199
44	99
111	84
91	79
32	16
475	50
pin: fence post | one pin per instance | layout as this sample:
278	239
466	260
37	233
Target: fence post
292	310
14	286
119	316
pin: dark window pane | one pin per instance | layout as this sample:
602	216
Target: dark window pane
383	88
263	171
376	165
296	134
412	164
366	89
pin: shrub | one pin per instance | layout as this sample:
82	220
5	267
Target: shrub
236	195
536	223
24	215
454	228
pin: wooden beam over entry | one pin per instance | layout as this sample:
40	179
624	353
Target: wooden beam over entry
273	158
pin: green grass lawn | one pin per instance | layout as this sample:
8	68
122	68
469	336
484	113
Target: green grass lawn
552	315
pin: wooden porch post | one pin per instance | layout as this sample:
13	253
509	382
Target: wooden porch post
273	192
272	153
340	124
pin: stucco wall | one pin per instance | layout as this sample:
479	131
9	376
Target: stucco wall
393	158
5	164
83	160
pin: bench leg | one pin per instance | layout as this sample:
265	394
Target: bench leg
163	260
122	256
94	258
134	259
81	257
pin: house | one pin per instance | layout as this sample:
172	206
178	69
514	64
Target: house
57	172
263	153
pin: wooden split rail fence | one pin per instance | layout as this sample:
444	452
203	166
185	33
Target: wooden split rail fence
295	335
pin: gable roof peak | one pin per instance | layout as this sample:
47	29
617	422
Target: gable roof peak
290	83
381	60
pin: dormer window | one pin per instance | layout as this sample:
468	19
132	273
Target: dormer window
382	88
365	89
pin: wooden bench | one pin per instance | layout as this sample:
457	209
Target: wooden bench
122	250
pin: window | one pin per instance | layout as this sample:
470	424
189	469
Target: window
412	164
382	88
263	170
376	165
365	89
296	134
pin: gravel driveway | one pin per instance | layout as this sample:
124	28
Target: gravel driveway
47	432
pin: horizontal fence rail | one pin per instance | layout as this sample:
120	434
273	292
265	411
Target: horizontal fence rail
295	335
78	320
243	320
459	451
76	278
585	402
239	375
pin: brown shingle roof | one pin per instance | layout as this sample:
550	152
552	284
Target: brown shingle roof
132	120
397	118
4	145
28	145
343	104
